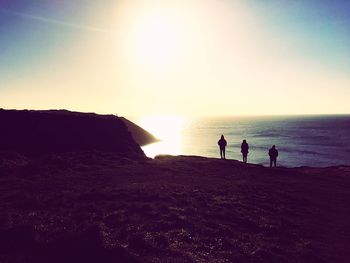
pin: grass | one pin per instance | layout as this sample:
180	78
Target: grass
96	207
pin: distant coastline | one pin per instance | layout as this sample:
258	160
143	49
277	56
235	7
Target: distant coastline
308	140
45	131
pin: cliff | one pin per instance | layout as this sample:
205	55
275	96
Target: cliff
39	132
140	135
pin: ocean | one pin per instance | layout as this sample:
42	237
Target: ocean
317	141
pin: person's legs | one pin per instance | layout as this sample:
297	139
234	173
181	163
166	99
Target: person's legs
275	161
270	162
222	153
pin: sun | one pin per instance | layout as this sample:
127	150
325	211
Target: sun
157	40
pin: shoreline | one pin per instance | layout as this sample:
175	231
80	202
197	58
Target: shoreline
248	163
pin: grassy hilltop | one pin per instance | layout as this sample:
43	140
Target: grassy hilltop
95	207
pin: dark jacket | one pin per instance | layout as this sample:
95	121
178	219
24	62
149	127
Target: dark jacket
244	148
273	153
222	143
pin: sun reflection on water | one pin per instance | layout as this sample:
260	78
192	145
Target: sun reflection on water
166	128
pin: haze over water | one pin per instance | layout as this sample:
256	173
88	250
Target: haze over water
317	141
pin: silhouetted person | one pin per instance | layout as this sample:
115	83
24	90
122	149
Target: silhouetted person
244	150
273	153
222	145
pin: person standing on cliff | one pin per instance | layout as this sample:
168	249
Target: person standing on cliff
222	145
273	153
244	150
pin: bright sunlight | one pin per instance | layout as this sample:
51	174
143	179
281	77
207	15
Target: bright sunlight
166	128
157	39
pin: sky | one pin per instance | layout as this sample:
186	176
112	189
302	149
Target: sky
191	58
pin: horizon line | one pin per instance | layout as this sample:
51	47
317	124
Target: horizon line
182	115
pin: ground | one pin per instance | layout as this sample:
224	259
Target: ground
97	207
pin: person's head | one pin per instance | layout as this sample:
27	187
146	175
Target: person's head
273	146
222	136
244	141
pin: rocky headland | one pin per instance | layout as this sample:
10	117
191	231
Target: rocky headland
53	131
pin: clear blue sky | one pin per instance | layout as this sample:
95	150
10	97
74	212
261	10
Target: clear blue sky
319	29
44	42
28	41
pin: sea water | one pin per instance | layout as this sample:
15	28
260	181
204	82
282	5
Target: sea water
317	141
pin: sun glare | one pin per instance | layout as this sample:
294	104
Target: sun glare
157	40
166	128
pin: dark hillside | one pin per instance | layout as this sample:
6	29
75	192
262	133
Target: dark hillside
37	132
98	208
140	135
